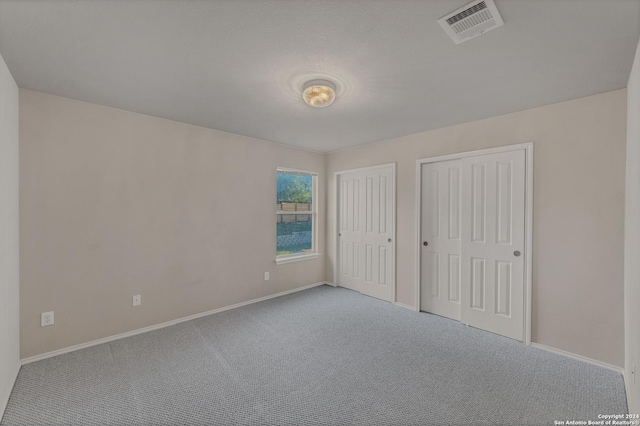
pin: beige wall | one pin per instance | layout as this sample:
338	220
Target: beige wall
9	243
115	204
579	164
632	241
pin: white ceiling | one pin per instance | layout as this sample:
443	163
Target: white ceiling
239	65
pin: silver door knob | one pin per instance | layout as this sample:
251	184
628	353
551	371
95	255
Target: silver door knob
389	240
516	253
425	244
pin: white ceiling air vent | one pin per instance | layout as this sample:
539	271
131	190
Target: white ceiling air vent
471	20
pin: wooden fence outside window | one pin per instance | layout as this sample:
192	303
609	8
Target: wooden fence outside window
293	207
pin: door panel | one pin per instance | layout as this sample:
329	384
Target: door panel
477	284
378	234
441	221
366	216
349	269
492	248
478	202
454	278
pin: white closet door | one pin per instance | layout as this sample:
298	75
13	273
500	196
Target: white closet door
440	280
366	226
377	233
493	219
349	230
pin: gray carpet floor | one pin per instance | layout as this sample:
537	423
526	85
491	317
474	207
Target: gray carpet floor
324	356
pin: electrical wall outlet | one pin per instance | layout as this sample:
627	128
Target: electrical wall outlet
266	276
46	318
137	300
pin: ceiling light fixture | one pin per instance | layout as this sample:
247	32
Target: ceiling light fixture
319	93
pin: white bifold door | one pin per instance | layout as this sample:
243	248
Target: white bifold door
366	209
473	229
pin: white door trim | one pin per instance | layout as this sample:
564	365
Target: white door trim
528	148
393	220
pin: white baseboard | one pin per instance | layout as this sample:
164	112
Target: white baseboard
331	284
579	357
4	397
402	305
162	325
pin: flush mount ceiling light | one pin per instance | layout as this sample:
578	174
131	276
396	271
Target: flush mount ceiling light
319	93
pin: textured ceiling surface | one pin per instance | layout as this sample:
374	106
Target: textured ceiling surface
239	65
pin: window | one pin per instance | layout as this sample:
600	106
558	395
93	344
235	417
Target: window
295	215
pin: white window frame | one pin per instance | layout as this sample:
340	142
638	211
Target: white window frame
313	253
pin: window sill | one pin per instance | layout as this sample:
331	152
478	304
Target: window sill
300	258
